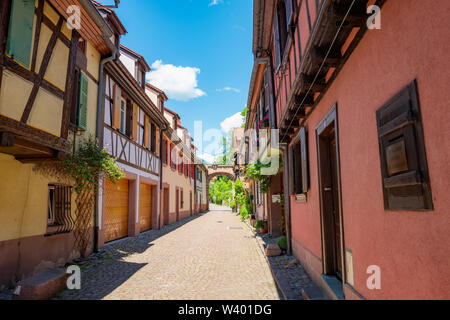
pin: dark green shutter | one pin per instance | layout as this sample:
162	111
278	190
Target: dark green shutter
83	102
20	34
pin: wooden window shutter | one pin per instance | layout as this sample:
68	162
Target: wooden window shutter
83	102
276	41
404	168
116	106
289	12
146	130
304	160
134	120
291	170
20	34
157	141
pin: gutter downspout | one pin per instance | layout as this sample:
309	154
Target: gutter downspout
161	191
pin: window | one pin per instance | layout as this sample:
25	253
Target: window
141	127
164	151
123	116
404	168
78	114
299	164
182	199
20	33
59	212
280	29
173	158
153	138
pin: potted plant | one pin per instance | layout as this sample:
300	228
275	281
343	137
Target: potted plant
262	226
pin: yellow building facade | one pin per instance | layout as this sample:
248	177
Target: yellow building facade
49	77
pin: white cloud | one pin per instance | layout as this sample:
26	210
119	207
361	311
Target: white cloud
179	83
228	89
235	121
208	158
215	3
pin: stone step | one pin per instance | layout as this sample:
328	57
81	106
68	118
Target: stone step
41	286
313	293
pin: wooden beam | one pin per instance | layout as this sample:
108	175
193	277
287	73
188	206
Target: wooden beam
43	69
16	68
319	56
39	14
32	134
301	100
308	83
70	85
358	11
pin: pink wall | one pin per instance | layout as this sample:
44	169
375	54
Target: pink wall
412	248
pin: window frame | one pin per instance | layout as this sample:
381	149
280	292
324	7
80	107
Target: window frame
123	116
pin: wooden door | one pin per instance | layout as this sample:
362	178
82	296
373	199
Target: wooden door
330	198
145	207
335	204
164	206
116	210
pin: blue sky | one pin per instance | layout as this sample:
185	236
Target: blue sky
200	51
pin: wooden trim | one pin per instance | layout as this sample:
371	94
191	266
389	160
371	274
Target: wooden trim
47	22
70	85
40	77
32	134
28	75
39	13
331	119
5	8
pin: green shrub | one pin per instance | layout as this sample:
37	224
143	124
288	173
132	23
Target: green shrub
244	213
233	204
282	243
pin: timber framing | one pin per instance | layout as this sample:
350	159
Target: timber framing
44	65
322	54
31	134
131	87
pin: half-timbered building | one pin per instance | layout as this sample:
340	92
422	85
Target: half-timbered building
131	131
49	75
361	105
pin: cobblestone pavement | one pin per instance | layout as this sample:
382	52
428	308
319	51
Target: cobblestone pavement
212	256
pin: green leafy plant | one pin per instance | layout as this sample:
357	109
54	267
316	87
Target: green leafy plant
233	204
260	224
263	172
84	168
282	243
89	163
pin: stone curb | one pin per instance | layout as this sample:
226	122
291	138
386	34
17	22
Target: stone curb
260	245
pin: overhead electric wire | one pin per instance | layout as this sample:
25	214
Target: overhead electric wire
321	66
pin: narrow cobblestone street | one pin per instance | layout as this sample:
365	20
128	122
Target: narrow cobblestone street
211	256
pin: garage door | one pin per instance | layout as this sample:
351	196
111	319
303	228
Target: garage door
116	210
145	207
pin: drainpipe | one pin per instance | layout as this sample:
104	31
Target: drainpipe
99	133
107	33
287	197
161	193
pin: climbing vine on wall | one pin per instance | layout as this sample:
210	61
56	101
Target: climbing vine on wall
83	169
